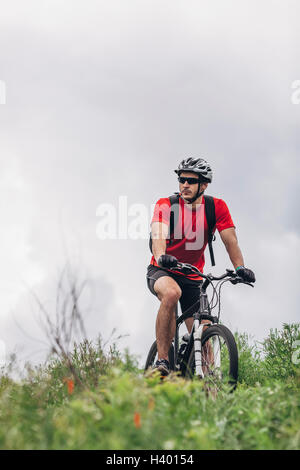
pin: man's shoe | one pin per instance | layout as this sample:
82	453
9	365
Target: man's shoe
163	366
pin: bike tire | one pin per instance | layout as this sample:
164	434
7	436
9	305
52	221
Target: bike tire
227	373
151	358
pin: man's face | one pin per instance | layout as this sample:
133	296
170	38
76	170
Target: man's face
189	190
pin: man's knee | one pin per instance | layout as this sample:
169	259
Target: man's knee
171	296
168	291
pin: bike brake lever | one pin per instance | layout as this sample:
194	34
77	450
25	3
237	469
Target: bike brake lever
230	271
239	280
182	268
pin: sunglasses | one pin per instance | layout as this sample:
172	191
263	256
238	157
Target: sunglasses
182	180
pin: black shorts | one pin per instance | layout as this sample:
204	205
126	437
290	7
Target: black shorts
189	288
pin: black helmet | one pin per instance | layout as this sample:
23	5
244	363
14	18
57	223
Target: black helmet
196	165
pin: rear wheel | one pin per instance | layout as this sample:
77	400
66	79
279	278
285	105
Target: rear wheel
219	358
152	357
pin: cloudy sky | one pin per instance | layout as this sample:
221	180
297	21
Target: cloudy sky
103	99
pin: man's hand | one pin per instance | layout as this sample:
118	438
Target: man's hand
167	261
246	274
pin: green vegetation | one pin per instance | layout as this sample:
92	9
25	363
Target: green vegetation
109	404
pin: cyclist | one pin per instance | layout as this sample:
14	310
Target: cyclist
194	175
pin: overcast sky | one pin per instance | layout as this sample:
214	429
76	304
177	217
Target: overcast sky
103	99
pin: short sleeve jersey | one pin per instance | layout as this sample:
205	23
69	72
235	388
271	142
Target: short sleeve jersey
191	230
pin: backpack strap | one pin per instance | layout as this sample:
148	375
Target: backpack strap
174	213
210	214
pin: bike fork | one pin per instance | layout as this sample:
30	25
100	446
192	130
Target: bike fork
198	348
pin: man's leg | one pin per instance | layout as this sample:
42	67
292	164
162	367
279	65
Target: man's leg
189	323
168	292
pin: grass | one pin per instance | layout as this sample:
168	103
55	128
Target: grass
117	408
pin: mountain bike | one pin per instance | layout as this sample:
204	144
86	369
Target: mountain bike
209	352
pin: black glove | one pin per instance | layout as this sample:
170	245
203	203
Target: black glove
245	273
167	261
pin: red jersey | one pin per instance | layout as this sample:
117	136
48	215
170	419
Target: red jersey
191	231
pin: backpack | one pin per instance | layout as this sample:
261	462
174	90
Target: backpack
210	218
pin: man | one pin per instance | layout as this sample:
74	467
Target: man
194	175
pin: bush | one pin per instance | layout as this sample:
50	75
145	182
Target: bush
251	369
279	349
118	408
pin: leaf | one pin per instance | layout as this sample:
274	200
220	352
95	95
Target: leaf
151	404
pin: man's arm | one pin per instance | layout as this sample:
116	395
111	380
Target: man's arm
230	241
159	232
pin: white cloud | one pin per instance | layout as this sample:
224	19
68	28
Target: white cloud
16	216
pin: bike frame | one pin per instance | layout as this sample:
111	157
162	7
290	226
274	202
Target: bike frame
202	313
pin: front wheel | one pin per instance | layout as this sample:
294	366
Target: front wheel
219	358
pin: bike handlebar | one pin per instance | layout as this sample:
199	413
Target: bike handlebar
232	275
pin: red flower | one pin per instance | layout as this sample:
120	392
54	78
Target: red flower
137	420
70	385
